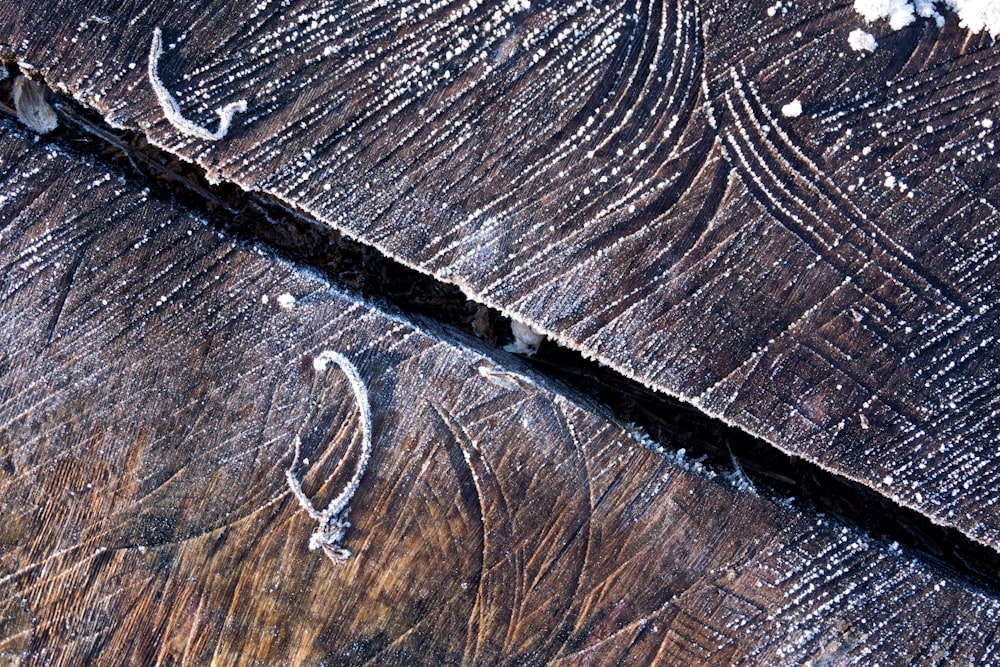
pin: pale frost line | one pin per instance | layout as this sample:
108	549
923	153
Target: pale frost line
506	379
333	521
173	111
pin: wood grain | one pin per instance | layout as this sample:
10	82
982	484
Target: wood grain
620	176
149	396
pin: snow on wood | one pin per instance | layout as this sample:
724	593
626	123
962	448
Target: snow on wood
860	40
148	400
792	110
974	15
621	179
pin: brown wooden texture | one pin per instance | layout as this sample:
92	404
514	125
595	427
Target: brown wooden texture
621	176
149	397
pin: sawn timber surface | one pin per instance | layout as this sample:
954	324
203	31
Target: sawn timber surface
621	176
149	396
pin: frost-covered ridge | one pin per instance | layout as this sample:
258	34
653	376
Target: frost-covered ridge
976	15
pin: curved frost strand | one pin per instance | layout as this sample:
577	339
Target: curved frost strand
173	111
333	520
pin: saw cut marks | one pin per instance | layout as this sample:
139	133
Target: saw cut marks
148	395
730	205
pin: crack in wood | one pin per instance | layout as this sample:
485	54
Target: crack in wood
265	223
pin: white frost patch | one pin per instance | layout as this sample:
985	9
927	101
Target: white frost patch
173	111
899	12
978	15
974	15
926	9
333	521
31	107
987	123
286	301
526	338
860	40
792	109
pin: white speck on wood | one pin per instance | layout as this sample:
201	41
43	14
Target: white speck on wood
506	379
792	109
286	301
173	111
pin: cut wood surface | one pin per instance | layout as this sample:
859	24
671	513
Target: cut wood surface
154	376
624	176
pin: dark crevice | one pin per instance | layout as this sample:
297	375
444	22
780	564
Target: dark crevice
725	450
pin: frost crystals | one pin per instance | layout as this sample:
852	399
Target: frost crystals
860	40
173	111
333	521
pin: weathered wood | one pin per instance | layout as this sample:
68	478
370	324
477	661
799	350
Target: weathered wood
149	398
621	176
